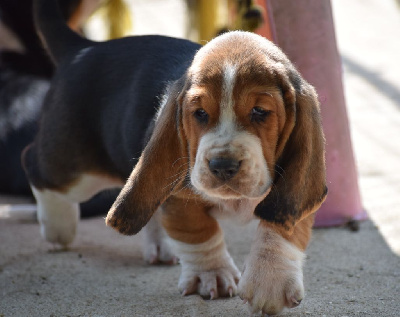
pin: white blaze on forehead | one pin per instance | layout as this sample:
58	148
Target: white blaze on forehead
227	113
227	85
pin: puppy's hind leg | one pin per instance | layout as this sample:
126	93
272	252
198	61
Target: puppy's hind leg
58	217
58	210
58	195
155	246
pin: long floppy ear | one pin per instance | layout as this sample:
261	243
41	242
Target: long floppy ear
299	186
161	169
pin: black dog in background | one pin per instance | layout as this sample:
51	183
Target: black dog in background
24	80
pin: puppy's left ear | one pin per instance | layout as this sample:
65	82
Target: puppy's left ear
299	186
160	171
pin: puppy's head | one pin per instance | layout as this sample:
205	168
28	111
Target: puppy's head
233	114
241	124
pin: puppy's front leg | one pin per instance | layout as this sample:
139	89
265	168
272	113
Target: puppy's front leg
273	274
197	239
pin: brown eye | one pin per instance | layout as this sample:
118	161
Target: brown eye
259	115
201	116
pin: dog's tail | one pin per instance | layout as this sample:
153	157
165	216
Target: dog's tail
59	40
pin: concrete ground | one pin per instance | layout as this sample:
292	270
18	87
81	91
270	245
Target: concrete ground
346	273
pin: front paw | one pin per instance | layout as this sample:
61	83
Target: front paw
273	278
207	268
212	283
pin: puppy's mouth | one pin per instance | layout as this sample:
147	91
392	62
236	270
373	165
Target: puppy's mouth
230	180
226	191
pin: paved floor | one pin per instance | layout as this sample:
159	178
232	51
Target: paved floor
346	273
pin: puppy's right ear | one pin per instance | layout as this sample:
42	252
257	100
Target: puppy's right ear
160	171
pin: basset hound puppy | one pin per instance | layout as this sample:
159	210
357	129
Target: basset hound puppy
228	129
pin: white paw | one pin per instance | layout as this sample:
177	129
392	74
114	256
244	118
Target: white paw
155	247
158	251
272	278
215	282
207	269
57	233
57	216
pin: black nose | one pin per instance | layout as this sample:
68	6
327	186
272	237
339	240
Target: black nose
224	168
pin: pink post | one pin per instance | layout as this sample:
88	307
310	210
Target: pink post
305	31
